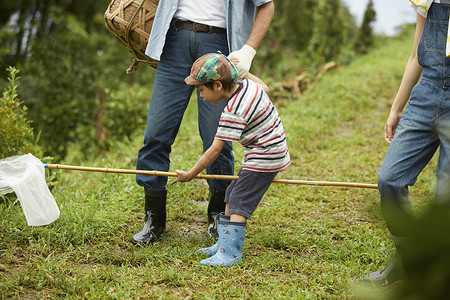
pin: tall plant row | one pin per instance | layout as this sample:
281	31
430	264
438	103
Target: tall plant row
73	70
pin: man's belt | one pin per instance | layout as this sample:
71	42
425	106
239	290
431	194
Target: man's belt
197	27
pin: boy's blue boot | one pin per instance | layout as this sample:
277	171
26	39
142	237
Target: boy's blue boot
210	251
230	243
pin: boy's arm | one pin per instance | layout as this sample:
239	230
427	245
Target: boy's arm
257	80
207	158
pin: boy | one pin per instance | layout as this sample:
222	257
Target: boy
251	119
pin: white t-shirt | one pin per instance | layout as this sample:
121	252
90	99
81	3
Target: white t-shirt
422	6
209	12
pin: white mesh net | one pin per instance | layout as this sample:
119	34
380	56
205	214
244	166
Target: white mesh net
25	175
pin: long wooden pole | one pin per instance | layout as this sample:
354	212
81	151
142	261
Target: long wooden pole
203	176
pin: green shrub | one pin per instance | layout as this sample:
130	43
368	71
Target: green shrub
16	134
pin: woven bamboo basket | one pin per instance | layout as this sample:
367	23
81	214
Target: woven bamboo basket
130	21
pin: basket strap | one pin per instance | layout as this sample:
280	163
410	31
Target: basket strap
127	32
134	65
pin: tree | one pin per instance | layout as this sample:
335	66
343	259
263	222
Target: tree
328	32
303	35
63	79
31	20
364	39
68	59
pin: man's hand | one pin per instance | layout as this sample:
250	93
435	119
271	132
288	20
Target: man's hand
244	56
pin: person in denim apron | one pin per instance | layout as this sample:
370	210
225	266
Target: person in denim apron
415	135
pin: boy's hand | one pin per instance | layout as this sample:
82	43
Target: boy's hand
182	177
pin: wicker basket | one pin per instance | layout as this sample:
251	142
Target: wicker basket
130	21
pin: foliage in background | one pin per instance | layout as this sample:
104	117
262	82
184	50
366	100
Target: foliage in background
62	93
32	20
59	86
68	60
123	112
16	134
69	69
364	39
304	35
73	70
327	37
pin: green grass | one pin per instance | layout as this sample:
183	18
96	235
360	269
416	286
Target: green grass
303	242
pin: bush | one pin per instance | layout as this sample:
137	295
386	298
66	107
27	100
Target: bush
16	134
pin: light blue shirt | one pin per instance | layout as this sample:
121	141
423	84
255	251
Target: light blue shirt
239	18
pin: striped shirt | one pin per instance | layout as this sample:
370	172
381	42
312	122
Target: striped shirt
251	119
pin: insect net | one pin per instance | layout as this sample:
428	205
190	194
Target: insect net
25	175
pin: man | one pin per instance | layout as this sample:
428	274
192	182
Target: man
183	31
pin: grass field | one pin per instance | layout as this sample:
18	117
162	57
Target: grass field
303	242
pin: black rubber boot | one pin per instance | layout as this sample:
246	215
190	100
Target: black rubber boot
389	274
155	218
215	207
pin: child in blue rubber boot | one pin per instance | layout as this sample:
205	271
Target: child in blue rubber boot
251	119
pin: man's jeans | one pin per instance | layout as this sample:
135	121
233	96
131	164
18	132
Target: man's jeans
169	100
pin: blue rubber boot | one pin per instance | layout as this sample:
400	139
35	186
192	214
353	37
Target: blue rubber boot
231	241
210	251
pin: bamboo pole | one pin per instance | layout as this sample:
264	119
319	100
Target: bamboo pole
203	176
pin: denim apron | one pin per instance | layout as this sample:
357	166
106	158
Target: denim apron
424	126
